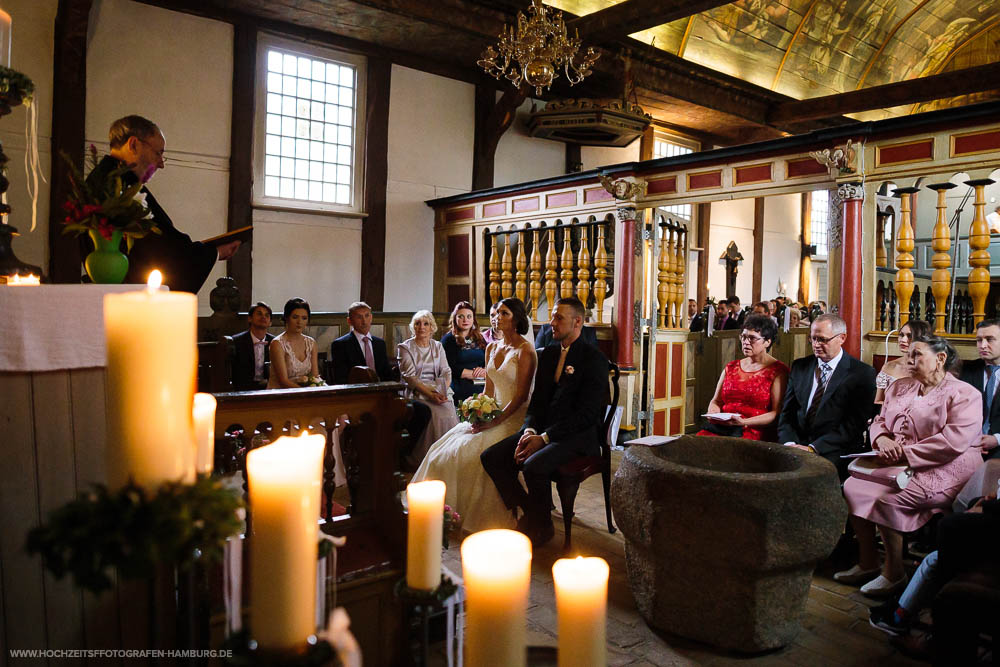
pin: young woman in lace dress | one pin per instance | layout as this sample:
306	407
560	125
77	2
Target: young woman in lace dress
752	387
454	459
897	368
293	354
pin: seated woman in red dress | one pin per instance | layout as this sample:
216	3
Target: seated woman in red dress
752	387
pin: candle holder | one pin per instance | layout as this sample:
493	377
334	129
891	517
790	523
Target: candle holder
418	606
244	652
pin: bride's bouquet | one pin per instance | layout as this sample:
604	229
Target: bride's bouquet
478	408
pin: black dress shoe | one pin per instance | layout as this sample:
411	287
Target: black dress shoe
542	534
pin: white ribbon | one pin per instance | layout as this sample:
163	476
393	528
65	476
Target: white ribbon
710	328
232	582
788	318
32	165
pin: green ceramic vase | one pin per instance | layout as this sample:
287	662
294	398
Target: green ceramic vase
107	264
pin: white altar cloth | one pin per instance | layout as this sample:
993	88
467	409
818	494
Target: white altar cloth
53	327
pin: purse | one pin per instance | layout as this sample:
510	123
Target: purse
872	470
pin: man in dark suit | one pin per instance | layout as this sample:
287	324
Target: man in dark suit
984	375
562	422
736	314
358	347
185	264
830	397
252	350
544	337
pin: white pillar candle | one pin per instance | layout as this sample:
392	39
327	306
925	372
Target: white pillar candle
425	523
152	371
5	38
496	566
204	432
284	484
581	603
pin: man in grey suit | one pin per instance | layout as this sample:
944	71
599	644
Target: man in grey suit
830	397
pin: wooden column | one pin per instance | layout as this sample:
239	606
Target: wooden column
506	264
664	264
680	271
904	258
941	243
881	256
535	278
376	176
979	253
624	287
551	264
493	117
583	267
704	233
241	142
69	100
566	286
758	249
600	272
521	277
495	294
852	194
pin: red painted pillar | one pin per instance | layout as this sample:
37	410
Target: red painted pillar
851	194
625	287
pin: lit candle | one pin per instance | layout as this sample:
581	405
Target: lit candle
581	604
152	370
284	482
5	38
425	505
204	432
496	566
18	279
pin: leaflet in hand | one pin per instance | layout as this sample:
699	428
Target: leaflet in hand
721	416
859	455
652	440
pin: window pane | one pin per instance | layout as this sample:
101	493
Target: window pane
301	170
347	76
343	135
302	129
288	85
305	68
271	187
315	191
316	111
330	173
273	82
287	167
291	65
329	153
302	108
346	96
273	103
318	71
272	145
343	174
287	126
316	131
301	149
343	194
273	124
273	61
329	193
288	105
345	116
287	146
318	91
287	188
272	165
316	151
820	221
343	154
301	189
332	73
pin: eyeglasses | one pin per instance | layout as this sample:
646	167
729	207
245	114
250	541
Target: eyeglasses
750	339
821	340
158	154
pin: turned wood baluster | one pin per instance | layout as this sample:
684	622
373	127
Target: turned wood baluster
551	264
941	243
600	273
881	256
566	286
892	307
535	284
930	308
673	277
583	267
521	287
880	300
680	270
904	258
664	263
979	253
507	263
495	270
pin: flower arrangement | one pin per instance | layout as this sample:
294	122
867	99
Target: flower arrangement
478	408
15	88
452	524
314	381
107	205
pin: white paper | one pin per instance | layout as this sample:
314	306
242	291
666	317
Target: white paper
723	416
859	456
652	440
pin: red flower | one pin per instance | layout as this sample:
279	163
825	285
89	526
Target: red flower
105	228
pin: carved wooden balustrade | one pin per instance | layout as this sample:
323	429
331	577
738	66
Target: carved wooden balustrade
549	262
671	276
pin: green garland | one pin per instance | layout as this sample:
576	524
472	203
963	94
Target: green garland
132	531
15	86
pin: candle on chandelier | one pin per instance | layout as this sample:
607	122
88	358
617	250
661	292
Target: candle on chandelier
581	604
284	482
496	566
152	369
425	523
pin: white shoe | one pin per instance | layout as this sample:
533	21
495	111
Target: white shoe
856	575
882	587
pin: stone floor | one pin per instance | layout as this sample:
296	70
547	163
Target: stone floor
835	629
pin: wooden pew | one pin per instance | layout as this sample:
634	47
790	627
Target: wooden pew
373	559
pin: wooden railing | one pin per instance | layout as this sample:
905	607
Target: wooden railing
575	258
671	275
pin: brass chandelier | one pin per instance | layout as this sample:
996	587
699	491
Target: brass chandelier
537	50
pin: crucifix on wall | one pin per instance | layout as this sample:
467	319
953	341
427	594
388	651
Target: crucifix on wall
732	259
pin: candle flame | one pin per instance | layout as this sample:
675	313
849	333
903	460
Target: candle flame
18	279
155	280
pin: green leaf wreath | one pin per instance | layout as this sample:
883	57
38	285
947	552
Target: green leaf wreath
15	88
132	531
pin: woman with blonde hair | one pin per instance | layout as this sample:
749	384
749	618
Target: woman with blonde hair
424	368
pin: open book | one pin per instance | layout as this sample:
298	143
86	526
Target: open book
242	234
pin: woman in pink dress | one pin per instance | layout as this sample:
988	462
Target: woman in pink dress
929	423
752	387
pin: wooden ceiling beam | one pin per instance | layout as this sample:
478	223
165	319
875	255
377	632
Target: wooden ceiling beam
925	89
618	21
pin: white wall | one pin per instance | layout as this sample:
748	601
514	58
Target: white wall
598	156
731	221
431	133
782	250
521	158
33	27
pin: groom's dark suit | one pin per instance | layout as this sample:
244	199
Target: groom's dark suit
569	413
243	363
346	353
844	410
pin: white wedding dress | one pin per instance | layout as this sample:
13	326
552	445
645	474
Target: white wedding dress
454	458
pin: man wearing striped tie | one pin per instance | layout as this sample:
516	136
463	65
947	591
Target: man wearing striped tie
984	375
830	397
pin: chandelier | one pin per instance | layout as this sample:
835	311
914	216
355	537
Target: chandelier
537	50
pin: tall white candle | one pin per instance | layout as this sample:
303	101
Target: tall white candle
6	33
425	522
152	372
204	432
496	566
581	603
284	481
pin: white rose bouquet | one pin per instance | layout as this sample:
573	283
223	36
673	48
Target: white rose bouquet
478	408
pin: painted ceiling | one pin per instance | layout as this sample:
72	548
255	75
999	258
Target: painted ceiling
812	48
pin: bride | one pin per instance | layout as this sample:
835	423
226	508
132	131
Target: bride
454	458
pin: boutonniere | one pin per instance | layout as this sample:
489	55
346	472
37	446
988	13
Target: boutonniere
569	370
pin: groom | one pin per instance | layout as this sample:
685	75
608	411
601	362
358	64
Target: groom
562	422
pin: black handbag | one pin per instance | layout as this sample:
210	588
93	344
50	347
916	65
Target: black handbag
727	430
